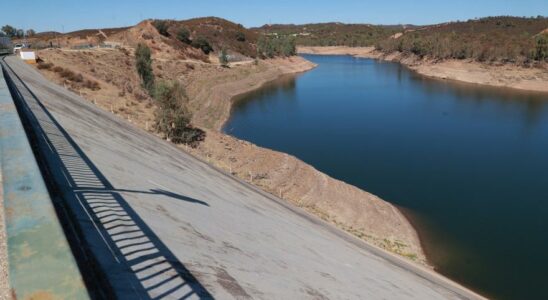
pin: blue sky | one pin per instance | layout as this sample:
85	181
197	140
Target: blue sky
44	15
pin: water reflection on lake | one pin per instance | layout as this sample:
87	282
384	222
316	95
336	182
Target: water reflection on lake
468	164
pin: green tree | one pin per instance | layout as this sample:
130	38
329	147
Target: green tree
30	32
288	47
183	35
266	47
143	63
20	33
223	58
541	52
276	46
162	27
9	30
173	116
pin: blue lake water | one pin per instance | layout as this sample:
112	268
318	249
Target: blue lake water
468	164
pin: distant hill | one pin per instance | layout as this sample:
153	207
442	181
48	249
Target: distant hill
222	34
504	39
333	34
205	35
492	39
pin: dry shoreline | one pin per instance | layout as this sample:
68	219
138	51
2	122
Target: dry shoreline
211	90
355	211
508	76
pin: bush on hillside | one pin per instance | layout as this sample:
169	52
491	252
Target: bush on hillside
183	35
143	63
203	44
44	66
240	36
541	51
270	47
172	115
223	58
162	27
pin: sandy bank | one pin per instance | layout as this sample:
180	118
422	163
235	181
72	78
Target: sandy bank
211	93
210	90
511	76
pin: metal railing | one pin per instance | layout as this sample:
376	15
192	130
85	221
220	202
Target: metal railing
41	263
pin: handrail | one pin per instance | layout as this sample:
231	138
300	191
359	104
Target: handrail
41	263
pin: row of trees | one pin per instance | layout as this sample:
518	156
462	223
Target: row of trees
13	32
484	49
172	113
271	46
335	34
493	39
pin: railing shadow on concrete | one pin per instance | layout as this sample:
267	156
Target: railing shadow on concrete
40	261
133	260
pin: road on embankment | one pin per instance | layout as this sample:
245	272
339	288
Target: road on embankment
154	222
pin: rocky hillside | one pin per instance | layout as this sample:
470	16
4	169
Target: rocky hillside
196	39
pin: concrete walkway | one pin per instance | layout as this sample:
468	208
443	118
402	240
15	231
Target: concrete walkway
160	224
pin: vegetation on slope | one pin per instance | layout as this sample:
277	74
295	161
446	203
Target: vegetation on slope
332	34
210	34
493	39
272	46
172	115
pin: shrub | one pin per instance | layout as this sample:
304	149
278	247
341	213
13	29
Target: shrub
58	69
203	44
541	50
44	66
68	74
92	85
276	46
240	36
288	47
161	26
223	58
183	35
172	115
143	63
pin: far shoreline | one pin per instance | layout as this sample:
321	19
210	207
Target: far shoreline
505	76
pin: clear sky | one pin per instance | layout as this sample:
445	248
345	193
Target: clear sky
45	15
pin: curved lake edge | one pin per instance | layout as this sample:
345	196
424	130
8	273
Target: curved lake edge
412	241
508	113
237	98
458	71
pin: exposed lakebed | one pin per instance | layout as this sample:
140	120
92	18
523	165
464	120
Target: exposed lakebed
468	164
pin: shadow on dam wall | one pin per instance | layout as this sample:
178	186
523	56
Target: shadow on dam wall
118	254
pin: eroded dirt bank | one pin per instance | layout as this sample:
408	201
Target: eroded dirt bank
511	76
211	89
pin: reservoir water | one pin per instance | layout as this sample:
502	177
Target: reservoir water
468	164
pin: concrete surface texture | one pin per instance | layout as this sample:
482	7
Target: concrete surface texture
162	224
41	263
